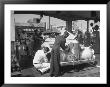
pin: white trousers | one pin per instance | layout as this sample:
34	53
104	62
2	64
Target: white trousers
43	67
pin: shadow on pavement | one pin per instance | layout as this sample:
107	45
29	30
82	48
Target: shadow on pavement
76	68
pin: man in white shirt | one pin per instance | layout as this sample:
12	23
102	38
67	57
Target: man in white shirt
40	60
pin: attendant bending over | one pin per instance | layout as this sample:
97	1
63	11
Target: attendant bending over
40	60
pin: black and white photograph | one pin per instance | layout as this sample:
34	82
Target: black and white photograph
55	43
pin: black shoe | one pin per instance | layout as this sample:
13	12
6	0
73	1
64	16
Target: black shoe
56	75
51	75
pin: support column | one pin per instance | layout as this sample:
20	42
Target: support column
87	39
12	26
49	23
87	25
69	25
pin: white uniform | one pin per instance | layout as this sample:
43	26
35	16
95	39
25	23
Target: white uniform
40	61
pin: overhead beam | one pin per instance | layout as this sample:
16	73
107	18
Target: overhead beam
63	16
